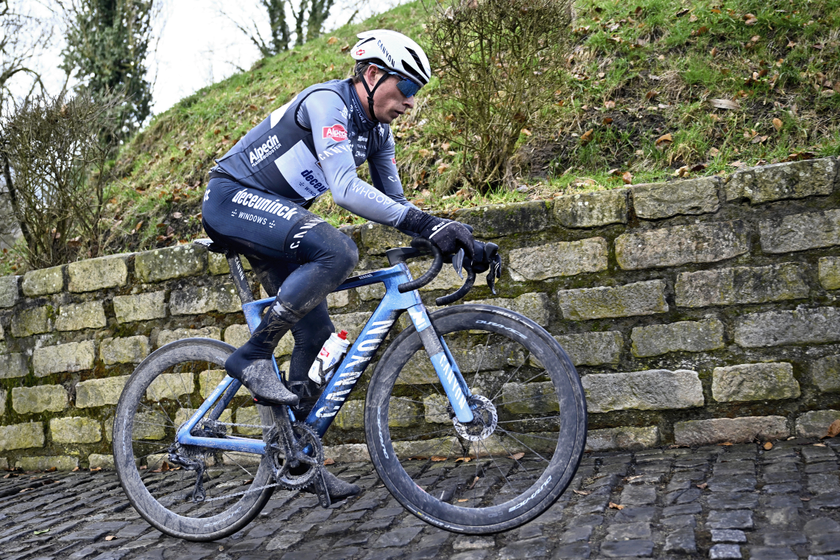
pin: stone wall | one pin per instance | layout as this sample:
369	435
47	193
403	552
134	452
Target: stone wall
696	311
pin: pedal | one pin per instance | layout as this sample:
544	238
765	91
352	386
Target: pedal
321	489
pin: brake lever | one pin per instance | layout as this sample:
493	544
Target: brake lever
494	272
458	263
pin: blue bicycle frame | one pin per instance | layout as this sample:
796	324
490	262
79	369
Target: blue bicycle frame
351	368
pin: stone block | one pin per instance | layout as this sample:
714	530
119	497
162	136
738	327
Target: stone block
348	453
782	181
673	246
22	436
643	390
98	461
57	462
754	382
9	291
140	307
171	262
79	316
167	336
684	336
100	392
209	379
217	263
815	424
655	201
43	281
640	298
406	412
378	238
742	285
798	326
535	306
98	274
825	373
829	272
237	335
125	350
170	386
13	365
194	300
338	299
351	416
75	430
592	349
800	232
43	398
593	209
558	259
507	219
35	320
529	398
733	430
624	437
73	356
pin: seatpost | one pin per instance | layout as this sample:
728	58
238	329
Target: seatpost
239	278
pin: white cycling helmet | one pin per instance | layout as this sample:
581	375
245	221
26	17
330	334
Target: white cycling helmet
397	55
396	51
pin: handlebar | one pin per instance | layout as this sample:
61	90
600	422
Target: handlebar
424	246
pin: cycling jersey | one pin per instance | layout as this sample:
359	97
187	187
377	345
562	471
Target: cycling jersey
314	143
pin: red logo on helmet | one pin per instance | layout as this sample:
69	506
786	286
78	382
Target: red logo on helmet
360	52
336	132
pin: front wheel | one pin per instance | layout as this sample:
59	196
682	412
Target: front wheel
518	455
158	475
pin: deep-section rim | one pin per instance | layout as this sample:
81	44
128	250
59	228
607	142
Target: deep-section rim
216	352
474	520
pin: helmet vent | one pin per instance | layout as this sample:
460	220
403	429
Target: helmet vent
419	64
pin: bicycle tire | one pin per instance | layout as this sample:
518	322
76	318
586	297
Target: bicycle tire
158	397
469	481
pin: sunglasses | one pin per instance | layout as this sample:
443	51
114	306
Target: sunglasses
407	87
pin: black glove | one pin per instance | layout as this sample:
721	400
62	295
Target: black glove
448	235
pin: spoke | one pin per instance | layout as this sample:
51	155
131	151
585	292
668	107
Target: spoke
506	381
529	419
511	434
493	458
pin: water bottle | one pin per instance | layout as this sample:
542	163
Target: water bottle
329	358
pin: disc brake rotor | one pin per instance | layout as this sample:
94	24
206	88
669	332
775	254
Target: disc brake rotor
485	420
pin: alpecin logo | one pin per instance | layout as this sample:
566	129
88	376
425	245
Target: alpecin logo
336	132
259	153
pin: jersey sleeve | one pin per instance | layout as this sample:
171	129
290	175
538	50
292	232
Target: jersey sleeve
325	114
383	172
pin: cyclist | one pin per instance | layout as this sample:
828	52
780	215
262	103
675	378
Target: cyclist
256	201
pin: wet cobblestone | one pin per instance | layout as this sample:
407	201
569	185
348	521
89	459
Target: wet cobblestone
711	502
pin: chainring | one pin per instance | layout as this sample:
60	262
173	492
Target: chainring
309	464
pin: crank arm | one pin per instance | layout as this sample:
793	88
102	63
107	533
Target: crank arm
321	489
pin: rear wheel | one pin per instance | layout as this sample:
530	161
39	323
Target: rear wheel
516	457
158	475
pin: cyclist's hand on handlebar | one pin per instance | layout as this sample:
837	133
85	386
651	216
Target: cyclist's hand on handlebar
486	254
447	235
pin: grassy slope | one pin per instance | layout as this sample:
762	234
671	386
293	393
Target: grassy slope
638	104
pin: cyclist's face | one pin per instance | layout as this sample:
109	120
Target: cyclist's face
388	101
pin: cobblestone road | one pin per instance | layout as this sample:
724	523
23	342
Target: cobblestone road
739	501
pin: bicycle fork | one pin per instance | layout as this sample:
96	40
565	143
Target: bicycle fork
444	363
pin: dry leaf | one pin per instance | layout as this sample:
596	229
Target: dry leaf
464	459
702	486
463	500
616	506
438	458
517	456
110	538
609	104
526	132
581	492
329	461
777	124
332	41
750	19
725	104
627	178
768	446
664	138
833	429
586	138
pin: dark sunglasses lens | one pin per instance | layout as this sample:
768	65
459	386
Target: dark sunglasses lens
408	88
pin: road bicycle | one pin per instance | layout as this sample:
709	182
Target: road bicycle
474	417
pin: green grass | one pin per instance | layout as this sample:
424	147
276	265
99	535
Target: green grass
637	102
